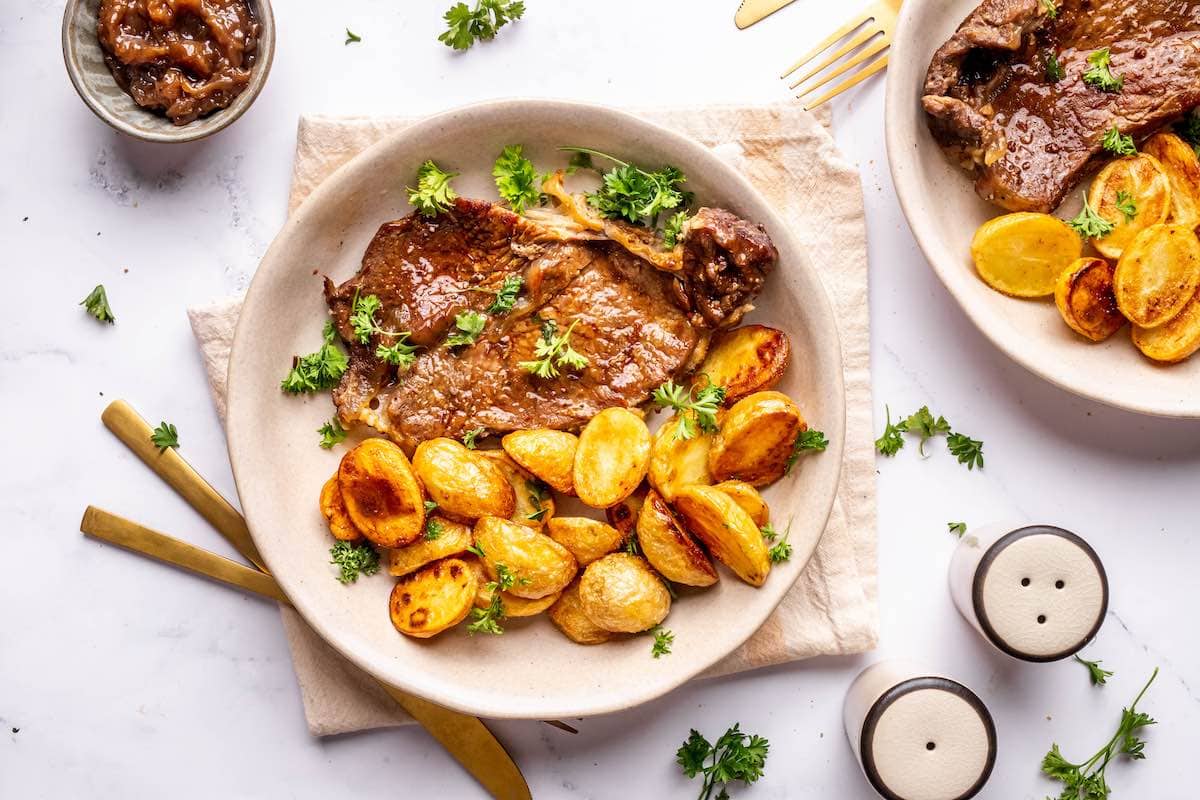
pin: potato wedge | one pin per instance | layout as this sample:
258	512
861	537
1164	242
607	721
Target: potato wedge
535	503
465	485
621	593
745	360
1175	340
612	457
1144	180
756	438
726	530
541	565
1157	274
749	499
623	516
450	538
1179	160
334	509
439	596
1022	254
550	455
587	539
669	548
381	493
677	462
1084	296
567	615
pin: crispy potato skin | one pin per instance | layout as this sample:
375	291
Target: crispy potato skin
334	509
1182	166
749	499
1144	178
1157	275
669	548
676	462
621	593
1174	341
465	485
525	488
550	455
623	515
381	493
567	615
436	597
745	360
1022	254
612	457
541	565
454	539
587	539
726	530
756	438
1084	296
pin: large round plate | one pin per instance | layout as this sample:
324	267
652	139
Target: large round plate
531	671
943	211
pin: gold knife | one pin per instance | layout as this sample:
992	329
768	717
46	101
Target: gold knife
752	11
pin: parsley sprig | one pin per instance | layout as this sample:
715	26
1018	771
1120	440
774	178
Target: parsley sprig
487	620
362	320
966	450
469	324
631	193
1089	224
1098	676
1054	70
1051	8
538	494
553	350
506	295
1099	75
352	37
781	550
165	436
663	639
923	424
735	757
433	529
433	193
673	230
468	438
1117	143
1126	205
808	440
317	371
519	184
466	25
332	432
96	304
353	560
694	409
957	528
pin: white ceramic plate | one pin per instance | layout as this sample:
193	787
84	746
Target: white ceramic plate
943	210
532	671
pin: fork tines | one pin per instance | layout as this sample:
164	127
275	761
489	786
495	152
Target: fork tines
863	42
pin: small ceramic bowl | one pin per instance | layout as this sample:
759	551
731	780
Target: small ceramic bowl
97	87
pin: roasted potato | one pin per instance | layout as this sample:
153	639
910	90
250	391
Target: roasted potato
1175	340
1139	180
621	593
449	539
439	596
535	503
541	565
1157	274
756	439
1179	160
745	360
587	539
381	493
1084	296
567	615
334	509
675	461
612	457
748	498
465	485
550	455
1022	254
623	516
669	548
513	606
726	530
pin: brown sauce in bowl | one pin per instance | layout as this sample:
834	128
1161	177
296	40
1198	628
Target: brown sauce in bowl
186	58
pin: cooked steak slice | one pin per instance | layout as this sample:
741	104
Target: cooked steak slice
1028	139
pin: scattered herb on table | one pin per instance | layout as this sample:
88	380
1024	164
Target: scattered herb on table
165	436
96	304
1099	677
352	37
317	371
1051	9
433	194
967	450
735	757
1089	224
633	194
1087	781
1117	143
538	494
553	350
353	560
694	409
663	639
1100	75
332	432
519	184
506	296
923	424
487	620
466	25
808	440
469	324
892	440
433	529
1126	205
1054	70
673	230
957	528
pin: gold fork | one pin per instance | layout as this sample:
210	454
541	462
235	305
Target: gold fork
870	34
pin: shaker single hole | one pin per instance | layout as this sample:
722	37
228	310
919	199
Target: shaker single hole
1059	584
930	745
1041	619
1025	581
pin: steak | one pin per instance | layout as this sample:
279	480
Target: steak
1028	139
637	325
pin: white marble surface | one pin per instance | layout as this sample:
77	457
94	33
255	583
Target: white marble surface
127	679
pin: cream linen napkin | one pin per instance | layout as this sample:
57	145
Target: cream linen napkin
790	156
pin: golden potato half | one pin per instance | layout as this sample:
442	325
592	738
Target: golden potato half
1175	340
1084	296
567	615
1182	166
726	530
587	539
612	457
465	485
677	462
535	502
1142	181
550	455
541	565
1157	274
449	539
334	509
437	597
621	593
749	499
669	548
756	438
381	493
623	515
1022	254
745	360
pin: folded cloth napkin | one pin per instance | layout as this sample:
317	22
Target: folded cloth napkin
790	156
